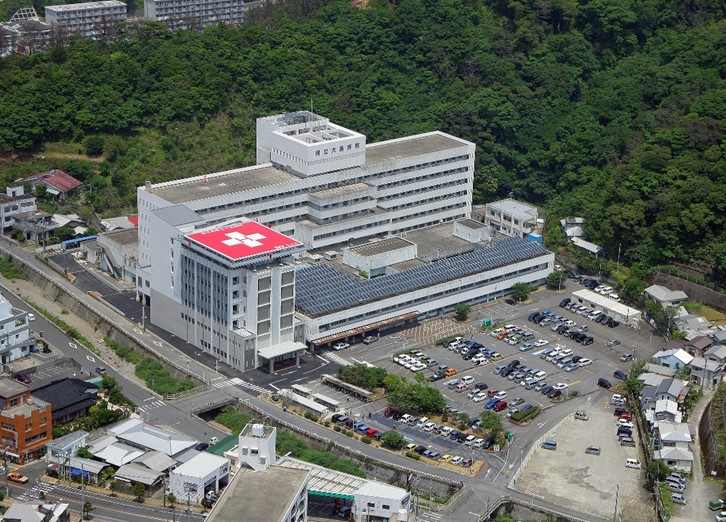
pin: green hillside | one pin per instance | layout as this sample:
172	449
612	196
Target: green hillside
608	109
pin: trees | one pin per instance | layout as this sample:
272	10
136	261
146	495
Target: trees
171	499
491	421
393	440
84	453
521	291
362	375
658	470
556	280
462	311
87	508
138	490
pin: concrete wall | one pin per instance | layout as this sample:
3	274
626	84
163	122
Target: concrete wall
696	292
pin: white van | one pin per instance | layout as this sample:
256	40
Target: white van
422	422
539	376
632	463
478	443
470	440
467	379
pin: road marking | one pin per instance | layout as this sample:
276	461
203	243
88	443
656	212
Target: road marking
157	343
149	399
574	382
90	358
73	345
137	331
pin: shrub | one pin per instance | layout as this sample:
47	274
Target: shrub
366	440
529	414
310	416
413	455
233	419
337	428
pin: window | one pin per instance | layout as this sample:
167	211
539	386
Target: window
371	504
29	426
42	421
384	506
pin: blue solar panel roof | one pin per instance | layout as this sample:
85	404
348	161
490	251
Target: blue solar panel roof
321	289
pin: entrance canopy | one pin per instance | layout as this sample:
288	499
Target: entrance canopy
282	349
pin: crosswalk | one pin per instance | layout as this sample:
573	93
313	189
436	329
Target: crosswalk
152	405
236	381
429	516
35	492
334	357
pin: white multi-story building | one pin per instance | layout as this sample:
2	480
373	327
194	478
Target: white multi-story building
90	19
15	203
228	284
511	217
322	184
15	338
183	14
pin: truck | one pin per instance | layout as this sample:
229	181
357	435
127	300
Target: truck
715	505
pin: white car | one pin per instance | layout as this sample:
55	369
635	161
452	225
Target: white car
340	346
561	386
616	297
478	358
632	463
566	352
501	395
571	323
496	332
484	362
526	381
625	424
31	317
481	397
617	398
541	342
417	367
584	362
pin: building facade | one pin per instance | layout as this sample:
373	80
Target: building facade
13	204
26	423
91	19
185	14
511	217
15	339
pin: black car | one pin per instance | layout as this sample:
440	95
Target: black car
587	340
622	430
513	364
337	416
420	449
619	411
454	434
471	353
562	329
481	386
202	446
619	374
604	383
537	317
601	318
554	393
532	316
570	274
546	389
565	302
613	323
510	302
489	442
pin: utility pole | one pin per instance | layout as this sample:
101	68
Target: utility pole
617	491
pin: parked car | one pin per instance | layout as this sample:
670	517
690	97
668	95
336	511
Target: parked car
22	377
340	346
604	383
592	450
619	374
100	370
370	339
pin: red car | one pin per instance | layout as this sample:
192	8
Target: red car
22	378
492	392
371	432
626	416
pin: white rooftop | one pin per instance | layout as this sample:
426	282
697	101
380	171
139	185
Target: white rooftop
661	293
147	436
83	6
201	465
586	245
677	353
381	490
514	208
606	302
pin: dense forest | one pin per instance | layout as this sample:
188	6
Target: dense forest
609	109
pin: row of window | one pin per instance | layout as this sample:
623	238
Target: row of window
408	217
421	190
351	229
422	202
423	177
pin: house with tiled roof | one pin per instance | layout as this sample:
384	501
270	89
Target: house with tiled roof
56	182
707	371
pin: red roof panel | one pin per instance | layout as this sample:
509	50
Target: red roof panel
245	240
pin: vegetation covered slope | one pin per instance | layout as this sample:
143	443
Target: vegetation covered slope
609	109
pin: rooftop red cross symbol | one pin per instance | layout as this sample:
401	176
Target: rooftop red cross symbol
237	238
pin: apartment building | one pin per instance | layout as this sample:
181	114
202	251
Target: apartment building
15	338
90	19
15	203
185	14
26	424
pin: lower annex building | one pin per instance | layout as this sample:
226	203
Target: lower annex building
227	261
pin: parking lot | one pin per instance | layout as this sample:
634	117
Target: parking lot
570	477
578	381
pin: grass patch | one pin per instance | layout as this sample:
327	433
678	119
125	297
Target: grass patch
526	415
287	442
68	329
665	494
713	315
157	377
232	419
10	271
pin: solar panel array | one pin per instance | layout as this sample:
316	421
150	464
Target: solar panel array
321	289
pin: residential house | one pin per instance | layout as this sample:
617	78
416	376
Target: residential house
56	182
65	447
15	203
691	325
665	409
708	371
71	398
36	226
573	227
671	442
26	422
647	398
37	512
671	389
587	246
698	345
674	358
665	296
